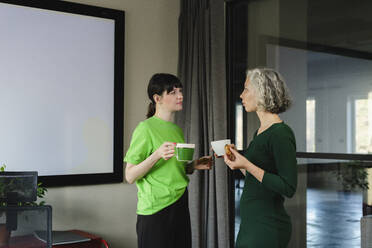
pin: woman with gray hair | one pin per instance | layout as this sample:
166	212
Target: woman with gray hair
269	164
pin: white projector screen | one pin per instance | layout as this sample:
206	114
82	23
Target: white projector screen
57	90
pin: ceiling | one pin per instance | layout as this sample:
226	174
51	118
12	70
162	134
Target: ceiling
342	23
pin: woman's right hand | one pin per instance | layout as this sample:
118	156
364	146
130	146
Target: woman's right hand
166	150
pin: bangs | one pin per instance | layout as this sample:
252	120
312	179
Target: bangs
174	84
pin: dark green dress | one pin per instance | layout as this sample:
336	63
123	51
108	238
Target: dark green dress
264	221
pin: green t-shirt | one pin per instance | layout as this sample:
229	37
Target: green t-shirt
166	181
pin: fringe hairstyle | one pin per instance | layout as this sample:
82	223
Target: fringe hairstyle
158	84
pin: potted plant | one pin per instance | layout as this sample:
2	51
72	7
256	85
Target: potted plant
8	187
352	175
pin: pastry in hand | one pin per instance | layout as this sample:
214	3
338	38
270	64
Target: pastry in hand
228	152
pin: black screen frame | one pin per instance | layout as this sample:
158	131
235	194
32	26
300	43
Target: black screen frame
119	18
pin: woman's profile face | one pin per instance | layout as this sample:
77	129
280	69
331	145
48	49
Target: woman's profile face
248	96
172	101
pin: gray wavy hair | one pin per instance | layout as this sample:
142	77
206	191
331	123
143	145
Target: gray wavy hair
272	92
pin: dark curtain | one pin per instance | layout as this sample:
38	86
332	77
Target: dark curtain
201	68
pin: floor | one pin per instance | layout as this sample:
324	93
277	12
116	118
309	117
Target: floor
333	218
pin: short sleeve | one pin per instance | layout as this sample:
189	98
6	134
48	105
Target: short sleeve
283	148
140	146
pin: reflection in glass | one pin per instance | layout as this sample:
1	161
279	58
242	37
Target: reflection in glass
363	125
310	125
322	92
324	52
239	126
334	203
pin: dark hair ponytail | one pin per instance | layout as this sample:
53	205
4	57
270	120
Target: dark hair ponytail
151	110
159	83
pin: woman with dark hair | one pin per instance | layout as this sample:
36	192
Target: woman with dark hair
269	164
163	219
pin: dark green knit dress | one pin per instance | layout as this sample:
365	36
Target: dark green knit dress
264	221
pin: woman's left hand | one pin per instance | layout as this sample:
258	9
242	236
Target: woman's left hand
240	161
203	163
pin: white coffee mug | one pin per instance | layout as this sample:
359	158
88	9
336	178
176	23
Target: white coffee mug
218	146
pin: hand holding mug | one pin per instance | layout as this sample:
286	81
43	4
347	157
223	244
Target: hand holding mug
166	150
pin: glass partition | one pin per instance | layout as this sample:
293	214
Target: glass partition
324	53
323	49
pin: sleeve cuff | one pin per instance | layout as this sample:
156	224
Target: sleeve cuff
135	162
267	177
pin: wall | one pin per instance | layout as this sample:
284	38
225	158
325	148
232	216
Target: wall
334	82
151	45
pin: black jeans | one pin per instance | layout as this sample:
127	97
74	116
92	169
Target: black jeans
168	228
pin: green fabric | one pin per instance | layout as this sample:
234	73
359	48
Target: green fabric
166	181
264	221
